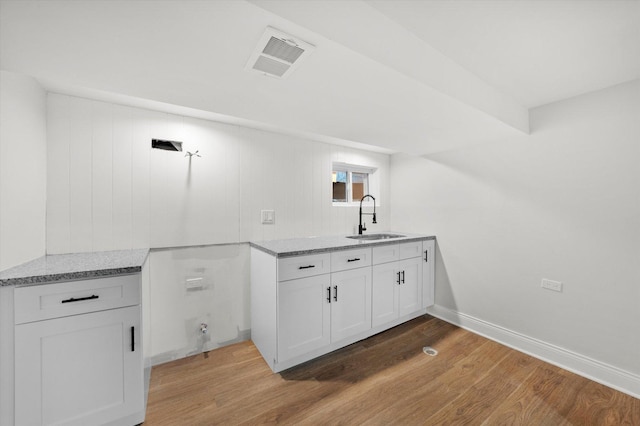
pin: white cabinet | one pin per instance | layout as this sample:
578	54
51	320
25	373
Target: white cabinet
397	284
386	288
350	303
410	297
304	316
428	272
350	259
290	268
306	306
316	311
78	353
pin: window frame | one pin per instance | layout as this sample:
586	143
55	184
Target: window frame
350	169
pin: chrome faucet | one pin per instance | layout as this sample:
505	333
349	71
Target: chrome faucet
362	227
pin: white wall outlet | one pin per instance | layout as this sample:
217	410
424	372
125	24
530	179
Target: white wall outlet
268	217
551	285
194	283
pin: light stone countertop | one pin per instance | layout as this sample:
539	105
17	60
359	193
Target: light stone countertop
311	245
76	266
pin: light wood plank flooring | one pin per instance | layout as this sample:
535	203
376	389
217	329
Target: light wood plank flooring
386	379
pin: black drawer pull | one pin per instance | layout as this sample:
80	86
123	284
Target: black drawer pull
426	255
355	259
133	341
79	299
329	294
398	280
335	295
307	267
402	277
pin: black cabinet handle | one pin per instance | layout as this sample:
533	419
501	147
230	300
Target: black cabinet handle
355	259
398	281
426	255
335	293
133	342
329	294
402	277
79	299
307	267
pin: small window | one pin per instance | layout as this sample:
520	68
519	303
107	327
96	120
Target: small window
339	187
350	183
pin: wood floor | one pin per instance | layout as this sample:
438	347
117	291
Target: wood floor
386	379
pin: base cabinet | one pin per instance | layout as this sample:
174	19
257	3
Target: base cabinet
78	370
78	362
428	272
306	306
350	303
304	316
397	289
316	311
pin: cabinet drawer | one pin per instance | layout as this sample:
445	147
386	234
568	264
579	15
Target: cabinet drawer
409	250
350	259
386	253
290	268
45	301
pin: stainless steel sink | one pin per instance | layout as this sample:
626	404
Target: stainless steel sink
372	237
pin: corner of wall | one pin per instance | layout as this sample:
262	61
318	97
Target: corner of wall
23	165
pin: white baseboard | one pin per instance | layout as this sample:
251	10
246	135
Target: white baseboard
597	371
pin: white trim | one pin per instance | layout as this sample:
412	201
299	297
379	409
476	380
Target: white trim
608	375
347	167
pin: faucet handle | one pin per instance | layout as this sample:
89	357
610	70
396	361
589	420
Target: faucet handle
364	226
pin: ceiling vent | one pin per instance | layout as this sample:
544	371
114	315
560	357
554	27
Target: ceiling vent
278	54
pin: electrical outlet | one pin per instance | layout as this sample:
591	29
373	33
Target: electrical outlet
551	285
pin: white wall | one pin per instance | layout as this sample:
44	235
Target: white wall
195	285
109	190
22	169
563	204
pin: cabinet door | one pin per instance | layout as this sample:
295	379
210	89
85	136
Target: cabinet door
410	291
79	370
304	316
384	293
428	272
350	303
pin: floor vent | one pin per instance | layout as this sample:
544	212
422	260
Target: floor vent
429	351
278	54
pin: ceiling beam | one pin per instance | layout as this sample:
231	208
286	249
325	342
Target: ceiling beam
384	41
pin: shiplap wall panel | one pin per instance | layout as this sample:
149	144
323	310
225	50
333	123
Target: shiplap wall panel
122	208
302	188
261	190
246	174
316	181
160	177
140	226
231	165
102	176
285	197
109	190
58	226
80	175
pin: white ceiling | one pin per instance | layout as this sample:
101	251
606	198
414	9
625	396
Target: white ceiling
538	51
412	76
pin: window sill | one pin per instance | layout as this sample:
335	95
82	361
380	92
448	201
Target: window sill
355	204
